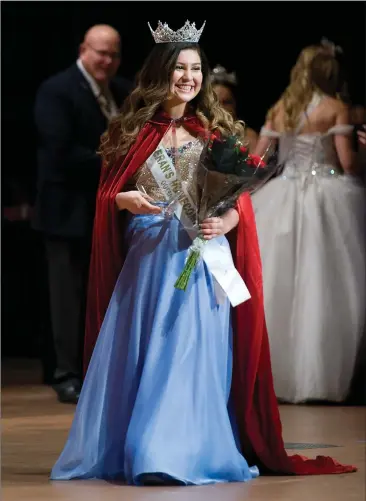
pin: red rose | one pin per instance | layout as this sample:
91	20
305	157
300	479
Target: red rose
255	160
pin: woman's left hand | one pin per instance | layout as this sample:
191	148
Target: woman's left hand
362	137
212	227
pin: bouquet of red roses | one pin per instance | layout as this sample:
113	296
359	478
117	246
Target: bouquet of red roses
225	171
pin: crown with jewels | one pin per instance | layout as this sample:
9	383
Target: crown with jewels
220	75
188	33
331	47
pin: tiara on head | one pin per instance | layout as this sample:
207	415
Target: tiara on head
188	33
219	74
331	47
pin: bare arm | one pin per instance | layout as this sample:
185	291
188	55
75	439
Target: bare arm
230	220
252	138
362	150
343	144
136	203
362	138
265	143
216	226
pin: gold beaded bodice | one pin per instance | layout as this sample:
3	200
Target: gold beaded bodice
187	157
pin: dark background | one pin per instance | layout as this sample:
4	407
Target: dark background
259	40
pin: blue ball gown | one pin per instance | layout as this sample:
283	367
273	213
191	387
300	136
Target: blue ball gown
154	406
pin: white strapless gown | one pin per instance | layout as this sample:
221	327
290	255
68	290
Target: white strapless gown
311	228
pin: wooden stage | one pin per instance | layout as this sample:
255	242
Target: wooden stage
35	426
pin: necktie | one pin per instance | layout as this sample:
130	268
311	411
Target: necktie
105	103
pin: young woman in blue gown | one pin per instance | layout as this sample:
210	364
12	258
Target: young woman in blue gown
156	406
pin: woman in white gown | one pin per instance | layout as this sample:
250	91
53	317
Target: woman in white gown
311	227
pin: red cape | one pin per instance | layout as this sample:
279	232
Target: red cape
255	402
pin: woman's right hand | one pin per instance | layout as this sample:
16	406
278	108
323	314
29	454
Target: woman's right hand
136	203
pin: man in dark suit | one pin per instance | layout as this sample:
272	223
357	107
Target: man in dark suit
72	110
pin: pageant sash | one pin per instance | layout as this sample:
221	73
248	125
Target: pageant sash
217	257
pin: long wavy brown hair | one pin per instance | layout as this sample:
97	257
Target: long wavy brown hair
152	89
316	70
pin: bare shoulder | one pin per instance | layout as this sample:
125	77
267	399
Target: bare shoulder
342	112
336	105
334	112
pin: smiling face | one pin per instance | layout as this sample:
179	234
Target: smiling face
186	80
100	53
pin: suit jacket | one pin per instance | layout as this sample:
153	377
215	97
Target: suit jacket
69	124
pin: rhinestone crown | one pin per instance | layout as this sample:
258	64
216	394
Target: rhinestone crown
220	75
331	47
188	33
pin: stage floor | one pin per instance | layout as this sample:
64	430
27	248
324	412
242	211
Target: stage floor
35	427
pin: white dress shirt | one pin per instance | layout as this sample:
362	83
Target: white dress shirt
106	102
